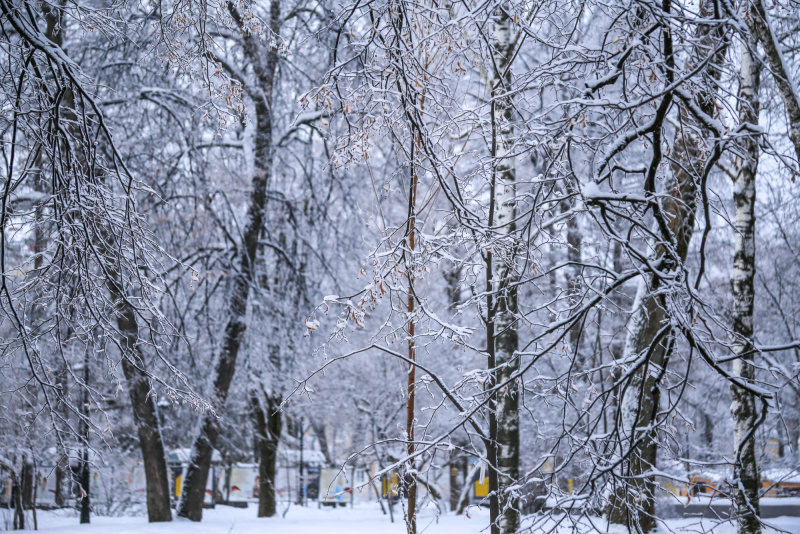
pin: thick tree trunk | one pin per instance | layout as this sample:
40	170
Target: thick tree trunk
62	478
632	501
503	337
144	407
269	422
747	481
264	63
145	411
148	429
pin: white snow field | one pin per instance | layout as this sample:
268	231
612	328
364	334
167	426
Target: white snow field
361	520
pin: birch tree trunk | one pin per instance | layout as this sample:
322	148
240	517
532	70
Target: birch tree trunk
504	340
743	406
264	63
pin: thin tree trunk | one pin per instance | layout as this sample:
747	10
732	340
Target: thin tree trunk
747	481
85	504
574	242
504	339
264	63
463	498
411	518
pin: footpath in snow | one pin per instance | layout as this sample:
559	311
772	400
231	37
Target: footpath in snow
360	520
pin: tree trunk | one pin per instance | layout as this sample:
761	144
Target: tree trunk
458	470
574	243
63	476
503	339
269	423
84	503
411	517
145	410
747	481
27	485
264	63
18	521
632	500
759	24
463	499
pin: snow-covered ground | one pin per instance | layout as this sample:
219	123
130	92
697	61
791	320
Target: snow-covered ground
361	520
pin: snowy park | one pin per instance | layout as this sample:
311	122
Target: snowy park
364	520
400	266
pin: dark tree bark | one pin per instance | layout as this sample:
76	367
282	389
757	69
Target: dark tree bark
264	62
632	501
145	411
27	485
85	479
18	520
143	404
269	422
747	482
458	472
62	477
759	24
